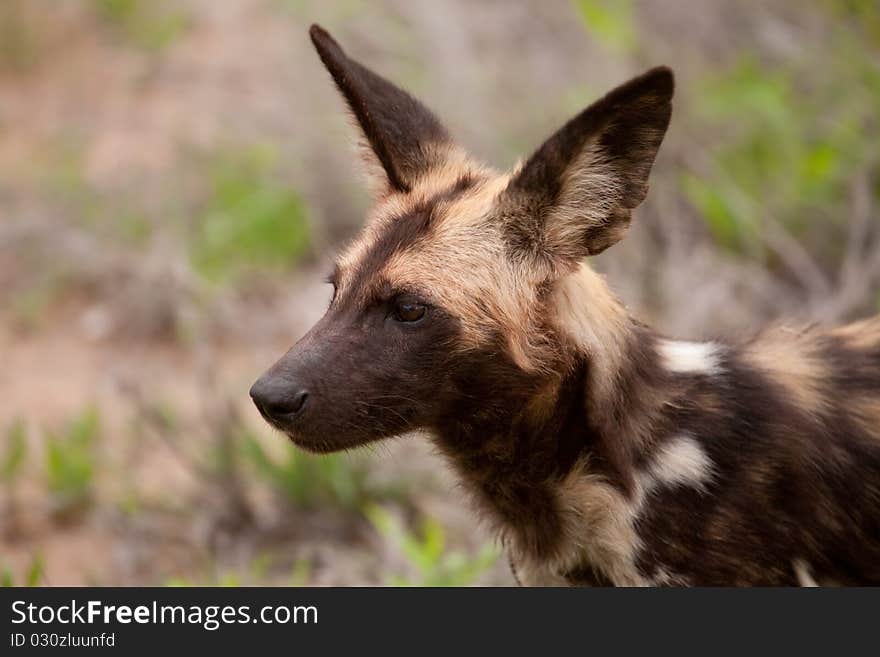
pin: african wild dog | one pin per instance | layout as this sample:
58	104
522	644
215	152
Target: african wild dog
602	452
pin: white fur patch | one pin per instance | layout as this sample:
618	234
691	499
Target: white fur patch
802	572
690	357
680	462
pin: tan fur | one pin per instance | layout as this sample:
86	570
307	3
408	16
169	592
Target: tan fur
862	336
597	521
792	360
453	164
450	160
866	411
489	293
541	407
596	322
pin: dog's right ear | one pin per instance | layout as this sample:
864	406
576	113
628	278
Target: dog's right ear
406	139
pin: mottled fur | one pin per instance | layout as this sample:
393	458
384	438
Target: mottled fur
601	452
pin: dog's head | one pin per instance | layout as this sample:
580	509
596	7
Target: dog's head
441	305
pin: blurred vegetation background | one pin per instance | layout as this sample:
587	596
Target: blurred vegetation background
174	177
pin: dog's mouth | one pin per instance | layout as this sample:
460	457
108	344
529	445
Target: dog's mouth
310	443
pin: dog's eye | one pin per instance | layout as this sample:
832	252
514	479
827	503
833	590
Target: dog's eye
408	311
331	280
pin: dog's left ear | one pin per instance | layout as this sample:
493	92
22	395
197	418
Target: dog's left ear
405	137
573	197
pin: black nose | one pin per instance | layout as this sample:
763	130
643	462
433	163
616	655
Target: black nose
279	398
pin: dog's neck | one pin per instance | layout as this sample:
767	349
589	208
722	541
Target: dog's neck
594	414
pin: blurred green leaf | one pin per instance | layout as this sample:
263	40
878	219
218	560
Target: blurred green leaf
15	451
864	14
715	210
609	22
178	583
426	552
70	464
150	24
136	228
302	572
250	221
792	141
34	574
229	580
308	481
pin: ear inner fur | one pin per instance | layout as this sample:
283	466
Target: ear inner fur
573	197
